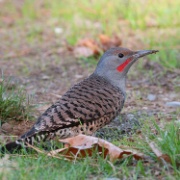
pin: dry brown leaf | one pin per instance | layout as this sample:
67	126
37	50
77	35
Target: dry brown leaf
89	47
82	145
77	152
158	153
83	52
104	39
107	42
91	44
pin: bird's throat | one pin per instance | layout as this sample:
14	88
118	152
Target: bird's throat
122	66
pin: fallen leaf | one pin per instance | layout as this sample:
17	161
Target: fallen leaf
158	153
107	42
82	145
91	44
89	47
83	52
104	39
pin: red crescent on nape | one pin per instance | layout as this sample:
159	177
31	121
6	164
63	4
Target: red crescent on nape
121	67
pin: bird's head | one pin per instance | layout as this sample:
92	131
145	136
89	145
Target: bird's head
115	63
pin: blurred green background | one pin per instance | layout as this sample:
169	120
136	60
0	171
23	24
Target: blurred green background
139	23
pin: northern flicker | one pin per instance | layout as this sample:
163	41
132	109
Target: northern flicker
88	105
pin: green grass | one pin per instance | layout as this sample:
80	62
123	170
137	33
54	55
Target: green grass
81	17
168	51
13	102
156	23
167	140
168	58
161	12
88	62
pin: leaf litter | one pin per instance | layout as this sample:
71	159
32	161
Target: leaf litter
89	47
82	146
158	153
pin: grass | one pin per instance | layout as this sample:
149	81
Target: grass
168	58
88	62
90	18
70	11
13	102
168	51
167	140
156	24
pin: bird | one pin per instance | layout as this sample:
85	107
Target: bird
88	105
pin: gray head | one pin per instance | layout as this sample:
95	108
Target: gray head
116	62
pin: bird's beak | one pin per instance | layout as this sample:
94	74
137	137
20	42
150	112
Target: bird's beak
142	53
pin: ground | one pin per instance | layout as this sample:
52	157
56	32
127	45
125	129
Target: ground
46	86
37	57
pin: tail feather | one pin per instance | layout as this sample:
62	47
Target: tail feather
11	147
23	141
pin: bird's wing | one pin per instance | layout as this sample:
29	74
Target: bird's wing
75	111
85	102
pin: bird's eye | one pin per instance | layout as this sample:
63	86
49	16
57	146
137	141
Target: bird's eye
120	55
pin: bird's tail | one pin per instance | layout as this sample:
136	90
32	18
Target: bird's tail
17	145
28	138
11	147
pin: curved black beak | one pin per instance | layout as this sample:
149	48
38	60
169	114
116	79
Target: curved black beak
142	53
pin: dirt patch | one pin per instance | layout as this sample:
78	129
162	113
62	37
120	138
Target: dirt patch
11	130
